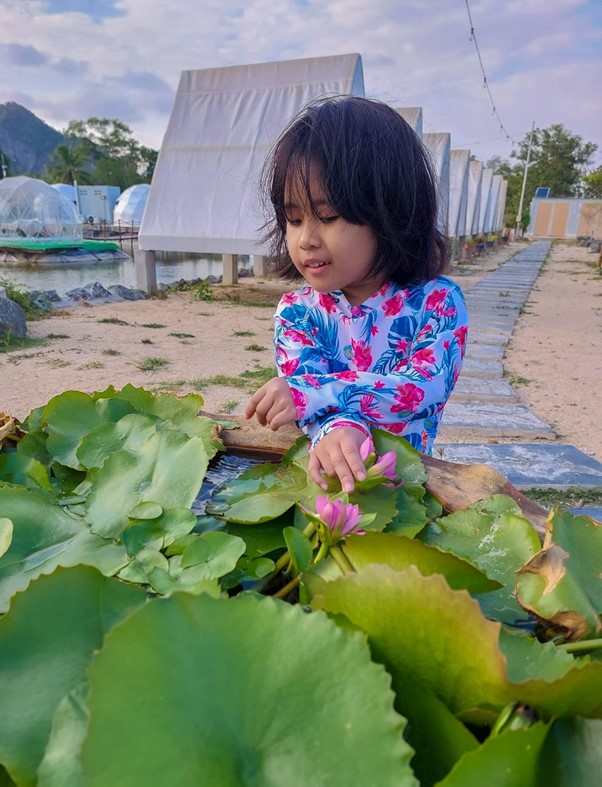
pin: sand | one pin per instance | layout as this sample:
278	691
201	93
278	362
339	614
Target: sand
182	344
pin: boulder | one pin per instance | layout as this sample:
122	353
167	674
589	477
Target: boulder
12	319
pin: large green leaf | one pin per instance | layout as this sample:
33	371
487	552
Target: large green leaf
61	764
46	642
562	584
44	537
130	432
17	468
247	691
70	416
572	754
427	633
6	534
509	760
494	536
399	552
168	469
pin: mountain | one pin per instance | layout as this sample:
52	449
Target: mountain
26	141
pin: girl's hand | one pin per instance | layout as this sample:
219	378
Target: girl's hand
273	404
338	455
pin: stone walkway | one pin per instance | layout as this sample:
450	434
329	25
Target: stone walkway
483	421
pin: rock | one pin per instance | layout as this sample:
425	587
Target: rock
127	293
12	319
78	294
97	290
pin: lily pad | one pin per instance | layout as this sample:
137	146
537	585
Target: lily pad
240	700
19	469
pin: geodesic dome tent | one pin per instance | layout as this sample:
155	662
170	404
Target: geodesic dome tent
30	208
129	208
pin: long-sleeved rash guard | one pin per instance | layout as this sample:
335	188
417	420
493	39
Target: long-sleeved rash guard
390	363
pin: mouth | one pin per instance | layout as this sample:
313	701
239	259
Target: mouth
314	264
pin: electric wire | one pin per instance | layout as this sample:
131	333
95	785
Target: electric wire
473	38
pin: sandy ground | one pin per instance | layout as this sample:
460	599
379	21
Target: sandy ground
182	344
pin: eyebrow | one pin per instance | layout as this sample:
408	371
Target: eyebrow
320	203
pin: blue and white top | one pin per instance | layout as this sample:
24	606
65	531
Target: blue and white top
390	363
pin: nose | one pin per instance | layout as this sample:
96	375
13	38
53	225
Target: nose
309	235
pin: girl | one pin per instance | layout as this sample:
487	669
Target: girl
377	336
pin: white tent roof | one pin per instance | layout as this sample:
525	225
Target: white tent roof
438	145
491	217
501	207
486	178
30	208
129	208
204	195
412	116
475	172
458	192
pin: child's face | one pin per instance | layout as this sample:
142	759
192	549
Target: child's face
329	252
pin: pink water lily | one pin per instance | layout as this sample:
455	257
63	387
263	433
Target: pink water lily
340	518
384	465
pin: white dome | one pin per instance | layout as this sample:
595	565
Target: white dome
30	208
129	208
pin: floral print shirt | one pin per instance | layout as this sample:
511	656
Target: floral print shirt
390	363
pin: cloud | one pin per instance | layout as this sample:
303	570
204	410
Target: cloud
24	55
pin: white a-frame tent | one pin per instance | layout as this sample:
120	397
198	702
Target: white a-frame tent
458	192
204	195
413	117
475	172
438	146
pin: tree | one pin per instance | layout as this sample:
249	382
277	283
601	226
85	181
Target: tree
116	158
69	163
592	183
559	160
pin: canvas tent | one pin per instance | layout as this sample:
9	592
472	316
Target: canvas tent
129	208
438	145
491	215
412	116
501	207
475	172
458	192
204	194
486	179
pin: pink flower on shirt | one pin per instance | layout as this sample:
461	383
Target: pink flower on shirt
310	379
327	302
408	397
300	400
436	301
368	407
289	367
423	358
379	384
298	337
393	306
362	355
460	334
289	298
349	376
402	346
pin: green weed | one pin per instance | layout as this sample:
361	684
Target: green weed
150	364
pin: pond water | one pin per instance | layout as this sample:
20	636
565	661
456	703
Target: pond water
63	277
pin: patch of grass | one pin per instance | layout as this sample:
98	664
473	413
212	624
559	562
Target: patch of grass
204	314
153	325
175	384
151	363
219	379
16	293
243	333
517	379
182	335
228	406
57	336
113	321
146	341
203	291
110	351
573	497
260	375
255	348
10	343
504	293
93	365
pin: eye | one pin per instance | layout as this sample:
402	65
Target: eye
328	219
293	222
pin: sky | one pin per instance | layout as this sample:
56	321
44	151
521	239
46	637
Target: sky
72	59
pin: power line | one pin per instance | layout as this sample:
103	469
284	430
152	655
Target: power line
473	37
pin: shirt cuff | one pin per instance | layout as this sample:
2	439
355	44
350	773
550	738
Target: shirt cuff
336	423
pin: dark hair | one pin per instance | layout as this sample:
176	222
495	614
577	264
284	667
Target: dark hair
374	171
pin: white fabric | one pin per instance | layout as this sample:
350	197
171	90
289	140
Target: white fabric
129	208
413	117
501	207
204	195
438	145
458	192
475	172
491	217
486	179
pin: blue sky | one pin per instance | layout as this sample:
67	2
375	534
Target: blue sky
71	59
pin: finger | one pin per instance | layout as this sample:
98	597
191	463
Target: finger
286	416
314	470
354	461
253	402
343	473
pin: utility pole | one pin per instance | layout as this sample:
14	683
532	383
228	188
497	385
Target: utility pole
519	215
4	170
